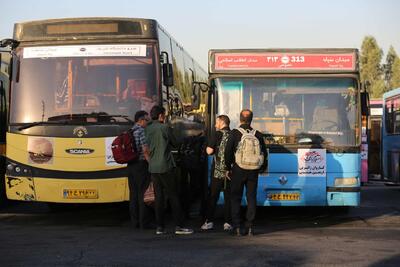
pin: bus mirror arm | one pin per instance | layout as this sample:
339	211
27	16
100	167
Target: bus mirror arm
167	70
198	87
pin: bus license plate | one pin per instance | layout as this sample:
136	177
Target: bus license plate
80	193
284	196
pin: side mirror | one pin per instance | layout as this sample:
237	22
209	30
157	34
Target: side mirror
195	96
168	75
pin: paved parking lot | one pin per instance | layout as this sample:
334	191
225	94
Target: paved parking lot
369	235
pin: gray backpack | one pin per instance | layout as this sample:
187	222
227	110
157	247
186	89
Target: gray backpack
248	155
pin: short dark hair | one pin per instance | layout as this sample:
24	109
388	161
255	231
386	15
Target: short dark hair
225	119
246	116
156	111
141	114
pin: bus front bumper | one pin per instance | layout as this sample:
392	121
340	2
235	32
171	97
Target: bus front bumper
67	190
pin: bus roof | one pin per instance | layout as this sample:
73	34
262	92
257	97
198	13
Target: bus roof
300	60
391	93
72	29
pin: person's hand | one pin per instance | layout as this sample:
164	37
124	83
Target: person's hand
228	175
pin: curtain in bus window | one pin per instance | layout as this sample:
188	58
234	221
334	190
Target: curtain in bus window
230	100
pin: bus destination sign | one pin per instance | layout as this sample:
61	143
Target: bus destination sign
284	61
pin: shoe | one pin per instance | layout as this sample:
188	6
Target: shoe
235	232
160	231
207	226
183	231
227	227
250	232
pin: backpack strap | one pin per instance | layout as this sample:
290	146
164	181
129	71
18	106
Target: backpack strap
241	130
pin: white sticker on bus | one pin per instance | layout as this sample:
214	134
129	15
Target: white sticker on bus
109	155
138	50
311	162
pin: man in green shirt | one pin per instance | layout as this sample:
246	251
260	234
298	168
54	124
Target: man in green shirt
161	166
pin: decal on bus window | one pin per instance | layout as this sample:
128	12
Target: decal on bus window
311	162
138	50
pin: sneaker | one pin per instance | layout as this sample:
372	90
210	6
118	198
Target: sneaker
227	227
160	231
207	226
183	231
250	232
235	232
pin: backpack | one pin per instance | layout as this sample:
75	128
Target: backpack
248	155
124	148
220	168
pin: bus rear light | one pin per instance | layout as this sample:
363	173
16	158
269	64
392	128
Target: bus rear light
346	181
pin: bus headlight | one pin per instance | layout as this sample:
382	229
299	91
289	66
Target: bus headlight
346	181
15	169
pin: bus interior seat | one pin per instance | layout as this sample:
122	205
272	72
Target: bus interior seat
325	119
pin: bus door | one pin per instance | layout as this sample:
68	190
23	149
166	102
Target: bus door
5	58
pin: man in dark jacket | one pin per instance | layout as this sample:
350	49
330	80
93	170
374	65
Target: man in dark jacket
219	182
243	177
161	167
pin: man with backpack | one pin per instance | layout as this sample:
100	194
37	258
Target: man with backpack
138	175
161	166
245	157
219	181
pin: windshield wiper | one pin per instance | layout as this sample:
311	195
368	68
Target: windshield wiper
37	123
95	115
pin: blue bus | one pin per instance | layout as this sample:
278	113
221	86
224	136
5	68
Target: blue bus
307	103
391	137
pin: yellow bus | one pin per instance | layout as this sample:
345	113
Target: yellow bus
76	84
5	57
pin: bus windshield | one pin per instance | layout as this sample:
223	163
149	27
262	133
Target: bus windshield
294	110
72	82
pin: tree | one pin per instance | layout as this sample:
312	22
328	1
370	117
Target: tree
370	64
388	68
395	81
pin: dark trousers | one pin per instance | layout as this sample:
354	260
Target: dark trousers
241	178
165	187
216	186
191	187
138	179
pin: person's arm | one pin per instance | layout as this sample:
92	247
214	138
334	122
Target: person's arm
211	144
230	150
146	152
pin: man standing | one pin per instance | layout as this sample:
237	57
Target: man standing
138	175
161	167
219	180
245	157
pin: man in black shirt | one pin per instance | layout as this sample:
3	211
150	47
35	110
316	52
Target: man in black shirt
219	180
243	177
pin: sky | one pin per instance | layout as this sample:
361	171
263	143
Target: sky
208	24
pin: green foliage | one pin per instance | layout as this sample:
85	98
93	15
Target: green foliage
370	64
395	80
388	68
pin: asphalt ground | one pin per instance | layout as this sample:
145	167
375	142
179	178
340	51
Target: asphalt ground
101	235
